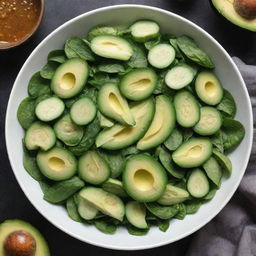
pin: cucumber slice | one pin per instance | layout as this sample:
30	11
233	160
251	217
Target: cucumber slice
138	84
223	160
92	168
198	184
115	187
208	88
85	209
193	152
144	30
179	76
187	109
173	195
105	122
105	202
210	121
161	56
136	214
161	126
83	111
213	170
67	131
113	47
49	109
41	136
70	78
57	164
113	105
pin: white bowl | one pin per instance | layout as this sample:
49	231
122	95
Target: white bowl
171	24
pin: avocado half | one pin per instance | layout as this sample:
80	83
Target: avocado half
226	9
10	226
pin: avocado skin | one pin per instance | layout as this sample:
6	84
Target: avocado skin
9	226
236	23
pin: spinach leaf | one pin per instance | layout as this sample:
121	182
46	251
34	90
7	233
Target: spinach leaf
162	212
187	134
150	44
166	160
62	190
90	133
41	98
182	212
192	206
102	30
227	104
45	185
223	160
139	58
111	67
105	226
233	133
136	231
115	161
49	69
72	210
38	86
132	150
57	56
181	184
26	112
211	194
218	141
101	78
76	47
174	140
163	225
30	165
213	171
188	46
174	44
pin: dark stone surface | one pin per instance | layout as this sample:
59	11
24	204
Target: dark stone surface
13	203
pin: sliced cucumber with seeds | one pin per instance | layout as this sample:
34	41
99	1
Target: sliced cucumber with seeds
92	168
83	111
115	187
67	131
113	105
57	163
161	56
213	170
193	152
179	76
70	78
49	109
136	214
208	88
223	160
144	30
173	195
85	209
198	184
210	121
187	109
39	136
105	202
161	126
113	47
138	84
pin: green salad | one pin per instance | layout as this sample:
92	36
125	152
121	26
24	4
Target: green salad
128	127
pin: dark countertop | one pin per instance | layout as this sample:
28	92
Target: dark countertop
13	203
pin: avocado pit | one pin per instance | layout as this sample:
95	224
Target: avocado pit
245	8
19	243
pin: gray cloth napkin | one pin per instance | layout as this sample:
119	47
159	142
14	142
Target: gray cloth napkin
233	231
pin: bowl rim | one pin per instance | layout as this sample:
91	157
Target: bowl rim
250	131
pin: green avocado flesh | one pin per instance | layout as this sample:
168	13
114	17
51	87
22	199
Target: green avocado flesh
226	8
10	226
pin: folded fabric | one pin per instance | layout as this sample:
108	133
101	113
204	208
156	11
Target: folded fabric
233	231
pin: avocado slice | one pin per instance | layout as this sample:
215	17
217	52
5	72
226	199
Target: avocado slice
144	178
10	226
113	105
121	136
226	8
161	126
